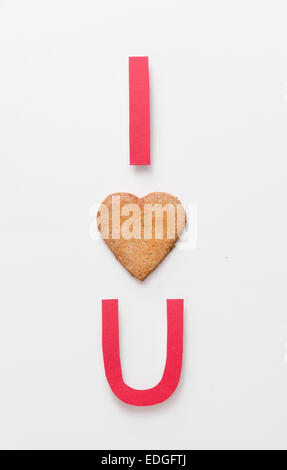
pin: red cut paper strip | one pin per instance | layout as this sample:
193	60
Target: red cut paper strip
139	111
112	362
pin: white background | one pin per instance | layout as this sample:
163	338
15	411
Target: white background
218	73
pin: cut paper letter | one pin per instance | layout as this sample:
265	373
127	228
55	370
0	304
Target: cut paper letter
139	111
111	352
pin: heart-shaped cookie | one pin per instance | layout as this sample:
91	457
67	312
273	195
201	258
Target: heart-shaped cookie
141	231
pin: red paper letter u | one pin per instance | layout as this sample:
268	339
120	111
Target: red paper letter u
111	353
